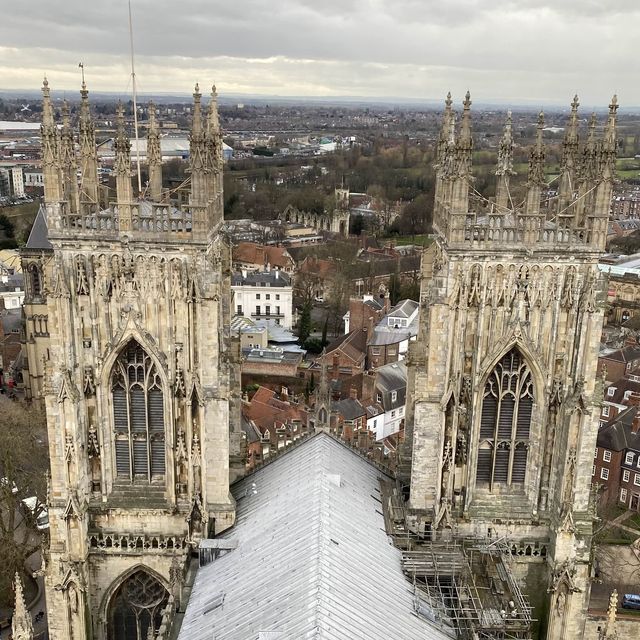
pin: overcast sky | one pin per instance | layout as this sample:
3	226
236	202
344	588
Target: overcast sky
505	50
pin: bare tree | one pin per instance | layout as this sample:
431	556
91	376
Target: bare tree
23	466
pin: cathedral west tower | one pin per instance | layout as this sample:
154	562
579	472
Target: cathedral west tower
504	416
137	383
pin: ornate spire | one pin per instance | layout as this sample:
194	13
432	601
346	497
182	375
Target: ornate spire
68	162
445	131
322	407
505	166
536	178
569	163
122	164
215	159
464	143
609	142
50	149
609	632
88	153
21	625
197	153
154	156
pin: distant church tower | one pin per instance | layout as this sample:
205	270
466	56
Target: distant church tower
505	401
137	384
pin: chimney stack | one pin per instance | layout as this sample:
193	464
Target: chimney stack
635	425
634	400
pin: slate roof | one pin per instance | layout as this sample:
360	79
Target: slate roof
404	309
39	236
349	408
618	434
311	558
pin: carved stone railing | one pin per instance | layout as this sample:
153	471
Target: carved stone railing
524	549
132	543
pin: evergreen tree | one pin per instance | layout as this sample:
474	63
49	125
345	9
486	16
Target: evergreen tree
304	327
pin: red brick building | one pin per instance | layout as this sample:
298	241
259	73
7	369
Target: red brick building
616	465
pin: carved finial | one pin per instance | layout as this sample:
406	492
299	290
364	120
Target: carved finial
120	116
575	104
465	141
196	92
45	87
505	151
65	114
214	93
613	106
21	626
448	102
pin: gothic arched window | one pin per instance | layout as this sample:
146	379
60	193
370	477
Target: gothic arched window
505	423
136	607
35	280
138	415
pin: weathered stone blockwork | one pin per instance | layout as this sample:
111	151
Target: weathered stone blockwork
138	383
505	400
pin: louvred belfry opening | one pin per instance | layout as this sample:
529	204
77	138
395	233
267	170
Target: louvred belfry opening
138	415
505	424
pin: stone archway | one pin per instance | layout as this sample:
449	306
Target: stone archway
135	607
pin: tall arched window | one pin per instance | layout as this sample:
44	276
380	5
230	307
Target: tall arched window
505	423
35	280
136	607
138	414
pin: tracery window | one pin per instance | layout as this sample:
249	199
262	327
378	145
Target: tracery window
505	423
138	414
35	280
137	607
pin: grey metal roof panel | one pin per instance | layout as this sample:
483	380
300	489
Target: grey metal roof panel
39	235
312	558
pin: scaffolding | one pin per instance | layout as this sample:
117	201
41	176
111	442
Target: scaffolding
465	586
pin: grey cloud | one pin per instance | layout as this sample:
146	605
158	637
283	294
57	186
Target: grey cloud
477	38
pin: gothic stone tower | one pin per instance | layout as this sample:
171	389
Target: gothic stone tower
137	387
504	370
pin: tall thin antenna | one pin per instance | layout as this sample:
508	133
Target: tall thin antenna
135	104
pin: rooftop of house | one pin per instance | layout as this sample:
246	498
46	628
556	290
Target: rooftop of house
274	278
619	434
253	253
618	392
266	408
299	564
352	344
624	355
349	408
274	355
404	309
392	377
11	321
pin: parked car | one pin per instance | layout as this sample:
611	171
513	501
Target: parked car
631	601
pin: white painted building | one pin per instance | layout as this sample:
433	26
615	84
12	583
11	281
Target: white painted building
263	295
391	394
11	291
13	181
